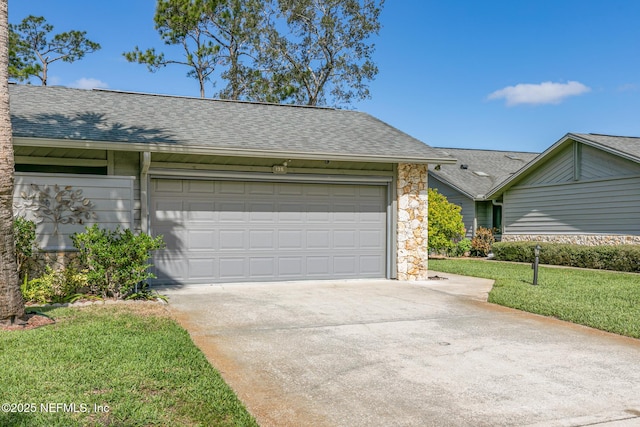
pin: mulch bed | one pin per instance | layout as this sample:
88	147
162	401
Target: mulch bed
34	320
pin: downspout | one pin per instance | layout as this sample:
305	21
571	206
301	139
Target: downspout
475	200
145	163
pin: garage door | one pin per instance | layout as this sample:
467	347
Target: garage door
228	231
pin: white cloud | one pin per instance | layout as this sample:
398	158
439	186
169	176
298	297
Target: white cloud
85	83
543	93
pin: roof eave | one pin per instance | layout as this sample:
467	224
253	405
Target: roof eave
455	187
237	152
497	191
582	139
504	185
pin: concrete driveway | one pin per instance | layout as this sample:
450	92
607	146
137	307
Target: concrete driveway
388	353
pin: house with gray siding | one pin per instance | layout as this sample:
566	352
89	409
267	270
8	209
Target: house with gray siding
474	174
583	189
240	191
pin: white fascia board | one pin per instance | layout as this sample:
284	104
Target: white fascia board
237	152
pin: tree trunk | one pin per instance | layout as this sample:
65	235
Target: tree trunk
11	302
44	73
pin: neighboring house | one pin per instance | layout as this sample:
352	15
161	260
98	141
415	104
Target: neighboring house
240	191
584	189
467	182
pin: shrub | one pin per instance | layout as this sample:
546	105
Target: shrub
461	248
482	242
54	286
513	251
605	257
25	237
115	260
444	222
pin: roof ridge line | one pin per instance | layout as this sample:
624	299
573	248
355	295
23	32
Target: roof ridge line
611	136
164	95
484	149
233	101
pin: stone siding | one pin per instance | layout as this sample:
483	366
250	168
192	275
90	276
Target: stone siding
579	239
413	254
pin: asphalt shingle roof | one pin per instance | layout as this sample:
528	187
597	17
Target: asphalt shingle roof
160	120
626	145
484	169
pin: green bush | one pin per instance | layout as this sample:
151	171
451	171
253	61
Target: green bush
482	242
54	286
444	222
115	260
516	251
605	257
461	248
24	232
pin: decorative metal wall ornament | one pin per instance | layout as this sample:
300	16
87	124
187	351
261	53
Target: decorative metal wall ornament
58	205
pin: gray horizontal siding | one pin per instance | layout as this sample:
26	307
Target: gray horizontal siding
557	169
600	164
112	198
590	207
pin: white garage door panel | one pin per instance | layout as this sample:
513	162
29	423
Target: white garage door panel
222	231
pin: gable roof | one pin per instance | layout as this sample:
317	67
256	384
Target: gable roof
624	146
140	122
478	171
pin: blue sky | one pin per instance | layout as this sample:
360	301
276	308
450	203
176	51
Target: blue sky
501	74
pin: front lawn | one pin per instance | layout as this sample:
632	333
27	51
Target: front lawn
121	365
605	300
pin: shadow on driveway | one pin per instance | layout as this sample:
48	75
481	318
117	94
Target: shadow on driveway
381	353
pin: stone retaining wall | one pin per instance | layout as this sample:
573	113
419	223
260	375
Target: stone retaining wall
582	239
413	254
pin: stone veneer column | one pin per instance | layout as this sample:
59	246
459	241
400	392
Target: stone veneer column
413	253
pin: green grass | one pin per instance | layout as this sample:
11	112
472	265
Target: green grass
605	300
133	359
